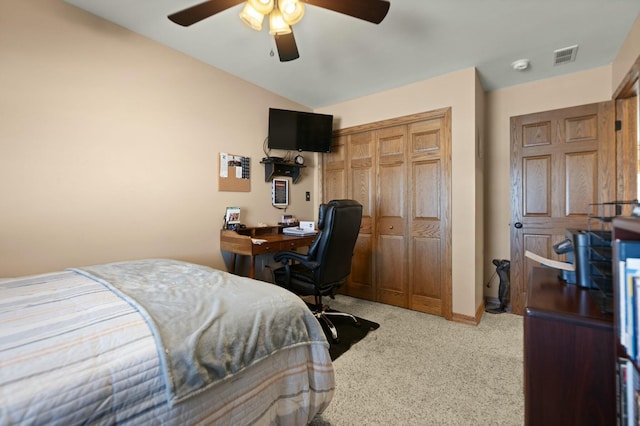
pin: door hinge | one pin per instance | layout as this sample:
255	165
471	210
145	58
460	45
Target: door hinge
618	125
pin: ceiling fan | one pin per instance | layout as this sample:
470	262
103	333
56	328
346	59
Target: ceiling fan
282	15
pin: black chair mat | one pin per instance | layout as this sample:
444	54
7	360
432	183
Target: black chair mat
348	333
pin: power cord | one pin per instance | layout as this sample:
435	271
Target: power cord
491	278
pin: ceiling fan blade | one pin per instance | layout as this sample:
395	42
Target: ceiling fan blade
201	11
368	10
287	49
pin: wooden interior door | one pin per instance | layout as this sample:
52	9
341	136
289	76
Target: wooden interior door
561	162
391	244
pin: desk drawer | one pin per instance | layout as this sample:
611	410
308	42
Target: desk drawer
276	246
269	247
294	244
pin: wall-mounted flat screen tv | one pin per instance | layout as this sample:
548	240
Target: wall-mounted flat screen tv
299	131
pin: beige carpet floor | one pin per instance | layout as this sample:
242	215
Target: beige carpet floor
419	369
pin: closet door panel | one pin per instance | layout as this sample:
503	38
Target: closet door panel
361	281
361	167
391	242
362	189
335	182
391	270
426	247
426	191
426	136
337	157
334	179
426	291
430	245
392	199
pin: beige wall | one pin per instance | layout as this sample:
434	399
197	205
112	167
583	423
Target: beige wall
456	90
480	191
109	145
627	56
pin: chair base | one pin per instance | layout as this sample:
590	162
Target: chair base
323	316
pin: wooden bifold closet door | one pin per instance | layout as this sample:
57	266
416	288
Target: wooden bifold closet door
400	171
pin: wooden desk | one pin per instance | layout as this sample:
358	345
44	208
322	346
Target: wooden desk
240	242
568	355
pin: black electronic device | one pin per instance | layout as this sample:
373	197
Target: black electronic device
299	131
563	247
272	159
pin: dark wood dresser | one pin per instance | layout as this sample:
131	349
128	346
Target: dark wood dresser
569	373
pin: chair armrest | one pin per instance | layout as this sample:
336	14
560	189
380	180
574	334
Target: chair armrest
286	256
283	256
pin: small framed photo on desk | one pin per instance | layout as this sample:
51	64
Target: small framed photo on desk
232	218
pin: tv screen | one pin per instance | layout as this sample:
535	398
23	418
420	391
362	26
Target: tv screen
299	131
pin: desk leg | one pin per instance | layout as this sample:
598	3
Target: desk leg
252	267
252	270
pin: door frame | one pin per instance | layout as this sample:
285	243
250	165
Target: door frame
627	97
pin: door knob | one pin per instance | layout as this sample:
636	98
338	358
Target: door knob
391	227
518	225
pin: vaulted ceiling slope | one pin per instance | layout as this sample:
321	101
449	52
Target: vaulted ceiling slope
343	58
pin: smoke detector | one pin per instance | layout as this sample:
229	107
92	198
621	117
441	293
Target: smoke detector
520	64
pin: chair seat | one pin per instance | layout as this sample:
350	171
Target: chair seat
301	281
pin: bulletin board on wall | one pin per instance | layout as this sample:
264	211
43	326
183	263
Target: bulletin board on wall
234	173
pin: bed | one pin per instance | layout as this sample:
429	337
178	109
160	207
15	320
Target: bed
158	341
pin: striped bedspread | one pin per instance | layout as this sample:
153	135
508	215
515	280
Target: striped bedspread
74	352
208	324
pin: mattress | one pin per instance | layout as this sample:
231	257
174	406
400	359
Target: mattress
72	351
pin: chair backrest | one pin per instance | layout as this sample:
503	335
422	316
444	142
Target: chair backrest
339	225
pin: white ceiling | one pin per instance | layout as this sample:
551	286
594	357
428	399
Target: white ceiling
343	58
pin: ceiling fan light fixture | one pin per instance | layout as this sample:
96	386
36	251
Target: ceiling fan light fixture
277	25
252	17
292	11
263	6
254	12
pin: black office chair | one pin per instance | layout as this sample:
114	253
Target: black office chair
327	264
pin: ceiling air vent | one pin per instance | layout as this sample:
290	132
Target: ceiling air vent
565	55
